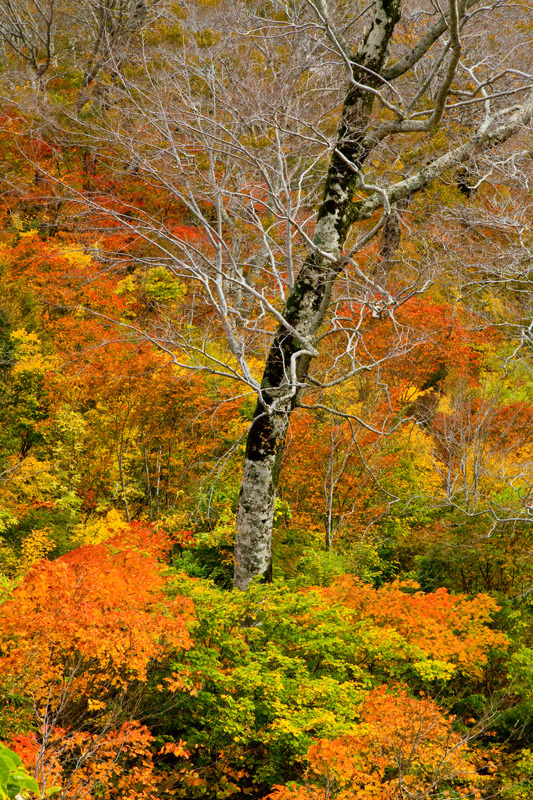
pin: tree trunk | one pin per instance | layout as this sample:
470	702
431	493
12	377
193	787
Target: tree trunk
290	355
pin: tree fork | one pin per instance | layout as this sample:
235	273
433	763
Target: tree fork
289	358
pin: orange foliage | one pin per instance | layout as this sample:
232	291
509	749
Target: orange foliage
80	637
96	617
403	747
117	763
440	625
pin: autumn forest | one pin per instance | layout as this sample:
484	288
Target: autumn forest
266	399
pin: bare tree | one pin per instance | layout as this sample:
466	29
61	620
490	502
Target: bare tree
55	38
373	81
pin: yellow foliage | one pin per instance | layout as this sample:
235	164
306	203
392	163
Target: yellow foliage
34	480
418	445
256	367
411	393
76	257
17	223
35	547
99	530
28	353
95	705
445	405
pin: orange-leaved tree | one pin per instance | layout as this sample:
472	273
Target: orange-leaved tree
83	638
402	747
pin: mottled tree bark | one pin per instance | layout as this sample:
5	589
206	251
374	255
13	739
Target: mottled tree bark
289	357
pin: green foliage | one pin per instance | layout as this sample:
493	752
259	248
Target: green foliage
319	568
14	780
278	667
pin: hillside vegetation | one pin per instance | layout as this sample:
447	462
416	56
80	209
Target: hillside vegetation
266	400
